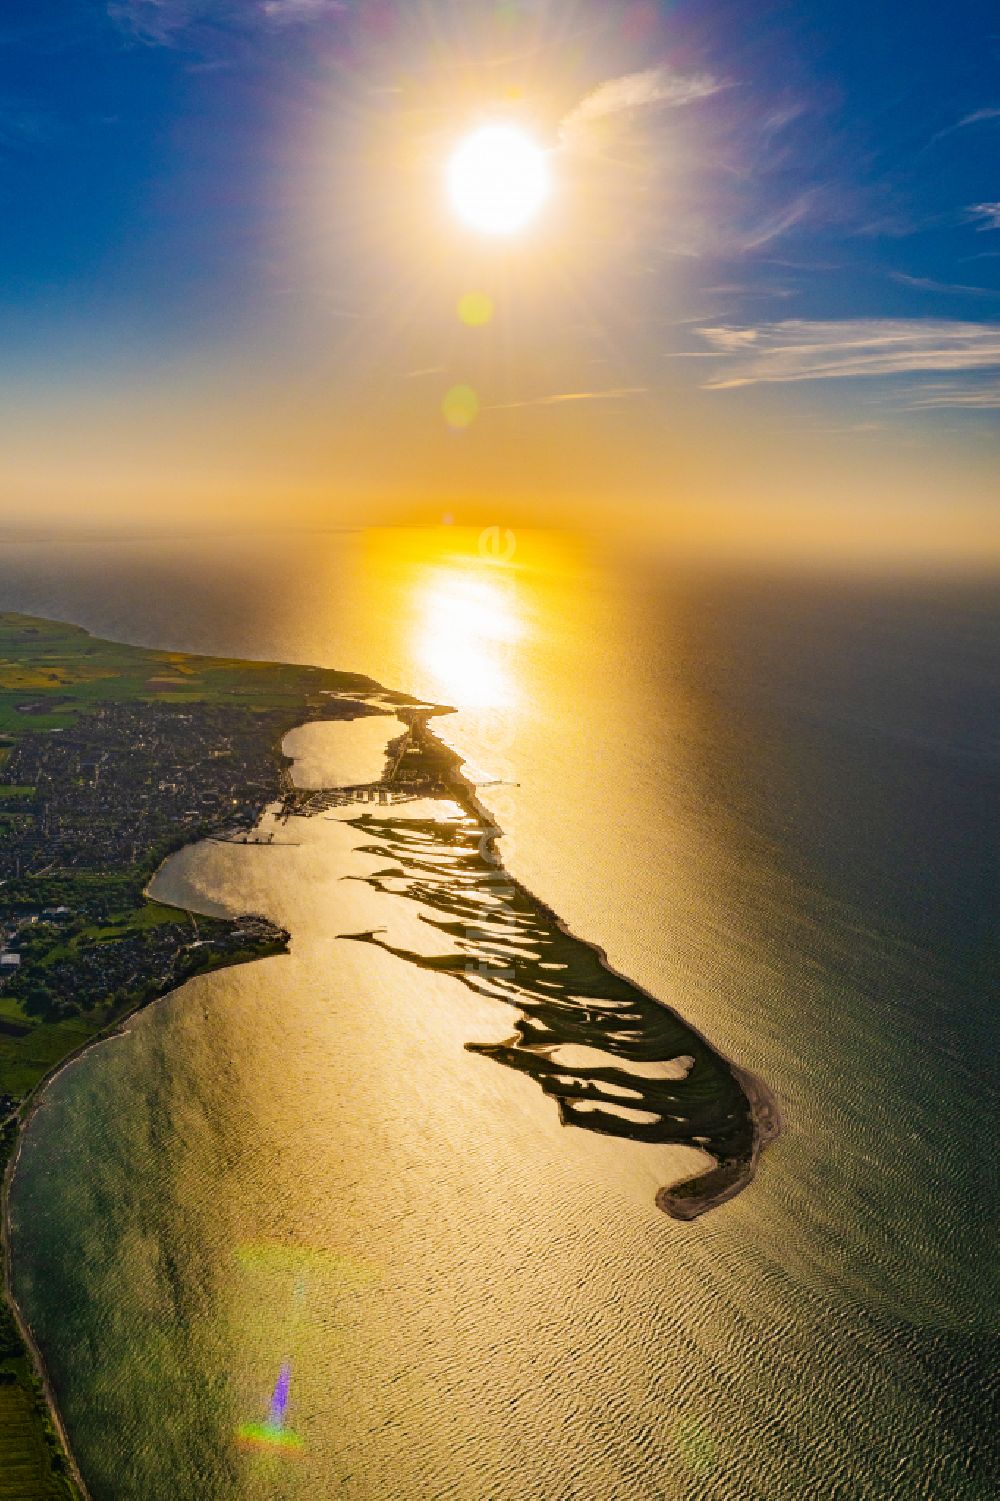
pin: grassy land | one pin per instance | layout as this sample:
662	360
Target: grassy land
29	1466
32	1464
31	1048
50	673
118	925
10	1008
25	1060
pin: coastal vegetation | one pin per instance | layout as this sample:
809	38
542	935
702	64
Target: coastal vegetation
32	1463
51	673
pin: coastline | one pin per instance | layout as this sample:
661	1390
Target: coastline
684	1200
305	694
35	1099
24	1116
20	1321
157	750
717	1185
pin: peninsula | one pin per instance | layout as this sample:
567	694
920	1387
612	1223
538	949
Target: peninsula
616	1059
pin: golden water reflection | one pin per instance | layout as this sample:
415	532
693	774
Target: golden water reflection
473	614
476	612
500	625
469	618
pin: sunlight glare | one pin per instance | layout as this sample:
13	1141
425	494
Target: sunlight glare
468	624
497	179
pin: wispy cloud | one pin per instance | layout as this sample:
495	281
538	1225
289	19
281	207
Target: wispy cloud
977	398
150	20
928	284
987	213
290	11
977	117
163	22
720	184
633	92
564	396
745	289
779	222
797	349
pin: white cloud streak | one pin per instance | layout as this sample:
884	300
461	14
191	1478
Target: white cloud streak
977	398
156	21
796	350
652	88
161	22
987	213
778	223
928	284
565	396
977	117
290	11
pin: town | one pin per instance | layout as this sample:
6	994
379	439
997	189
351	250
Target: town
86	814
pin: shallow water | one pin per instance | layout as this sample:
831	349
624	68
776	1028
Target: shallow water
339	752
765	799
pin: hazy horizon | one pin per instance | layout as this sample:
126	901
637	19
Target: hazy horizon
756	311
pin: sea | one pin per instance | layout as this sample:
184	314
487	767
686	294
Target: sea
288	1237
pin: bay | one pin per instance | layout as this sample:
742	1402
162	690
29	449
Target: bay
766	798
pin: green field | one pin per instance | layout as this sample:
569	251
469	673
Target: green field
27	1059
51	672
26	1460
119	925
31	1462
10	1010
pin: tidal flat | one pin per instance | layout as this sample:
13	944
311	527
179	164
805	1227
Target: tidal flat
648	1076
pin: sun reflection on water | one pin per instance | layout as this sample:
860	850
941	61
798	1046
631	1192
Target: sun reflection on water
468	619
476	618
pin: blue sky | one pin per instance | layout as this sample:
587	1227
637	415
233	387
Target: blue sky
795	200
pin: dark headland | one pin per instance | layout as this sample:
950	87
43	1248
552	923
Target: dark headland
502	940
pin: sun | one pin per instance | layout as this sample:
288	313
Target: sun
497	179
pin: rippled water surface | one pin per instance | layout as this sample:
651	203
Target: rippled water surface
765	799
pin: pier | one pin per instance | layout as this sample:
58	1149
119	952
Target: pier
416	766
307	804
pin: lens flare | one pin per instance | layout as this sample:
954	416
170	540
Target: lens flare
460	407
475	309
259	1436
497	179
272	1433
273	1258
